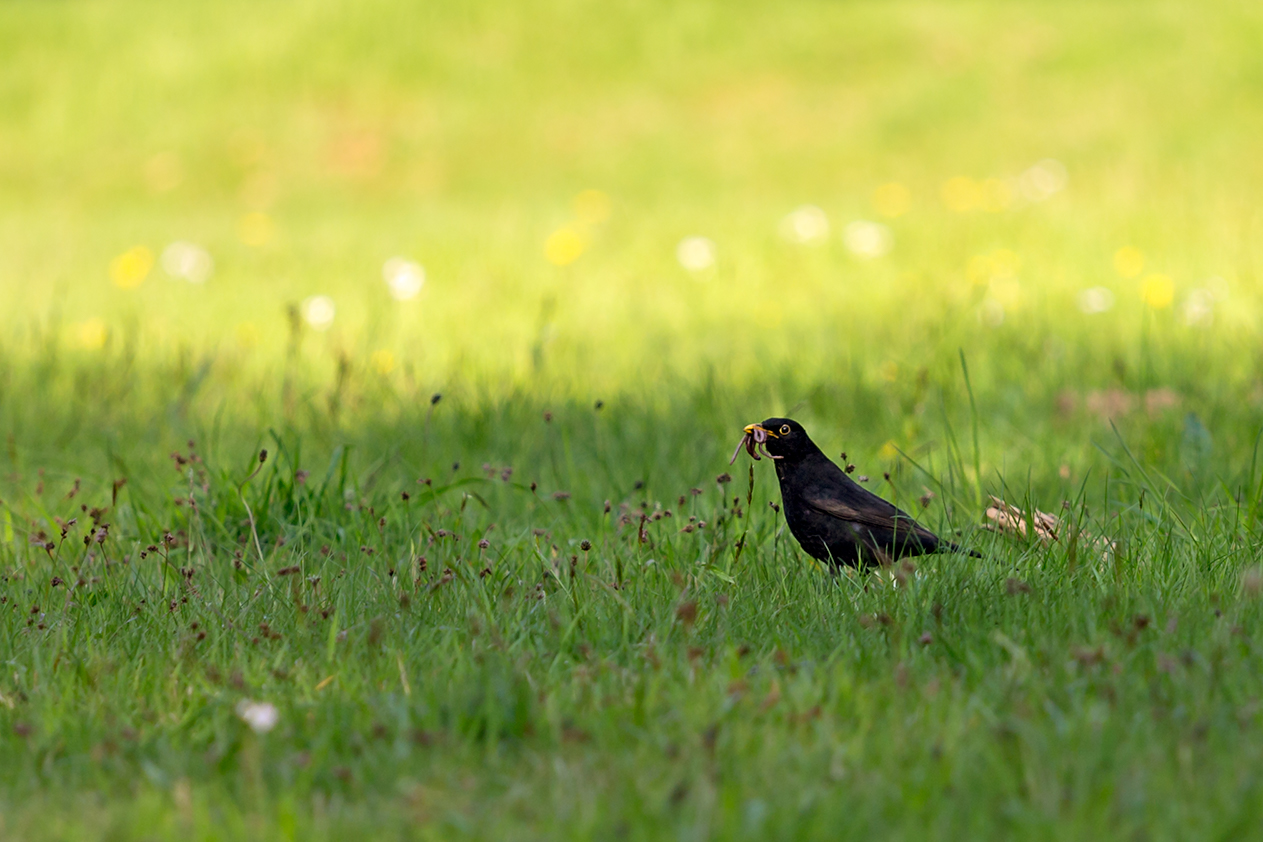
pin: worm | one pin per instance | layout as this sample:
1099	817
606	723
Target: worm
755	442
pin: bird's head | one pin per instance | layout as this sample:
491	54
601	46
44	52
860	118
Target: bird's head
780	438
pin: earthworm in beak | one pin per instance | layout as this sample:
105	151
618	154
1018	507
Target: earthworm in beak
755	442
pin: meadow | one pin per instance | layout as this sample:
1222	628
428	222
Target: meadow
369	374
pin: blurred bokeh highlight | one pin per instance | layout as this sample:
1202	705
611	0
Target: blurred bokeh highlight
369	373
587	197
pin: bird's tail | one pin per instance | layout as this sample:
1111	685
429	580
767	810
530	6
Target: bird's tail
957	548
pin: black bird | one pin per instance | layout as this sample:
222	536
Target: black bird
835	520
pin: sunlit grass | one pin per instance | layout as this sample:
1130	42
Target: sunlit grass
495	287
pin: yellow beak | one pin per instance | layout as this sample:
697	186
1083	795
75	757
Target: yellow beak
750	428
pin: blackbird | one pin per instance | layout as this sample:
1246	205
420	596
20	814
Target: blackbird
834	519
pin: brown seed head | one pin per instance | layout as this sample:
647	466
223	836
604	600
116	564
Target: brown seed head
1252	581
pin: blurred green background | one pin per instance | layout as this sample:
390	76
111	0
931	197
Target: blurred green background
609	235
302	145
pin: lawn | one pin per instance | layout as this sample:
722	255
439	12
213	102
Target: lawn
369	373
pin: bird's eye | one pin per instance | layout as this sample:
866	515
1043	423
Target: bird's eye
784	429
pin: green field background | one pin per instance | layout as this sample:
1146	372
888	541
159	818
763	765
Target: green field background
1065	314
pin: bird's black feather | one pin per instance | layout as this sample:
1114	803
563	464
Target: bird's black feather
835	519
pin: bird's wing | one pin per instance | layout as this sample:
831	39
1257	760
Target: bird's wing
877	513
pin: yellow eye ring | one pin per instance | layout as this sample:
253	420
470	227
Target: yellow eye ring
784	429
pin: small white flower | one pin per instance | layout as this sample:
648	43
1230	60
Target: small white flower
1042	180
807	224
991	313
867	239
696	254
318	311
187	261
404	277
260	716
1198	309
1096	300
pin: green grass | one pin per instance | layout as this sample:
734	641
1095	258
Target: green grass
670	680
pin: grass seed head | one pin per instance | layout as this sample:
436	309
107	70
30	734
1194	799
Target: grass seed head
1252	581
1013	586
